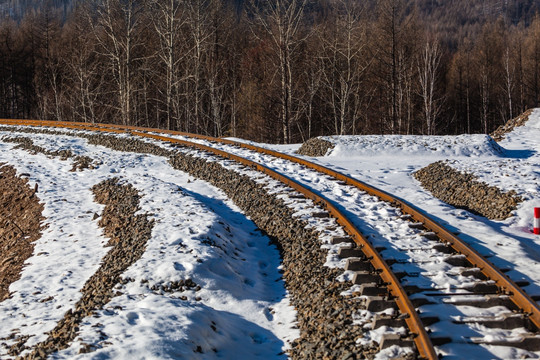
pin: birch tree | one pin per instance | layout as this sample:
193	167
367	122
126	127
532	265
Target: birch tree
117	27
429	63
345	60
168	18
509	76
197	36
85	79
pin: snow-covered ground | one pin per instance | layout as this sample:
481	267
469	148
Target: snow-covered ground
242	309
388	162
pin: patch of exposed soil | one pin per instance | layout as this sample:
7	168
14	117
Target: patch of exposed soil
128	234
502	130
464	191
315	147
20	225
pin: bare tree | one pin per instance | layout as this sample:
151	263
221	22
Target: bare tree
532	59
168	18
281	20
345	60
313	75
509	80
429	63
489	71
84	77
197	35
394	55
117	29
14	68
217	67
45	29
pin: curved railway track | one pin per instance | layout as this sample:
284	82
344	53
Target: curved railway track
380	270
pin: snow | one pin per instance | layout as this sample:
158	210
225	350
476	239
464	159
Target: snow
198	234
410	145
243	309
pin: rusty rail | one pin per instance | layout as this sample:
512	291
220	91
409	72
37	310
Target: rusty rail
422	341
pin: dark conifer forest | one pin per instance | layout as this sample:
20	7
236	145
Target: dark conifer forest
272	70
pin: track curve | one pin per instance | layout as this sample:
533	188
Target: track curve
422	340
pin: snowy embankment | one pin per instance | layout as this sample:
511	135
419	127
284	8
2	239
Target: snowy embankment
411	145
241	310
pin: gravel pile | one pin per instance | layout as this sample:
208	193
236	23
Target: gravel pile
464	191
79	162
20	225
128	234
324	315
315	147
502	130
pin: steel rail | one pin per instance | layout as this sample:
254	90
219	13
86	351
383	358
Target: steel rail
421	338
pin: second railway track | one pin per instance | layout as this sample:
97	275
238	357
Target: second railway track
439	285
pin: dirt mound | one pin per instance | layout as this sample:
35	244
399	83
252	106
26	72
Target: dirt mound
464	191
502	130
315	147
20	218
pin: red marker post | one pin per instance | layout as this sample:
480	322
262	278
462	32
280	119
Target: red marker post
537	221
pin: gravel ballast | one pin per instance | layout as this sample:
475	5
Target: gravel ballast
502	130
324	316
464	191
20	225
315	147
79	162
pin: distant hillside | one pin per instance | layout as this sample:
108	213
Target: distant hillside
460	19
16	9
463	12
458	16
456	19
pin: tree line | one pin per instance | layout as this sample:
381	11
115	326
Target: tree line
271	71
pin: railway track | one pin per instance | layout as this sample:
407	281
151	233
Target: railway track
449	273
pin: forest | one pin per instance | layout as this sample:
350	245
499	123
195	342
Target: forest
277	71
